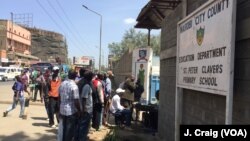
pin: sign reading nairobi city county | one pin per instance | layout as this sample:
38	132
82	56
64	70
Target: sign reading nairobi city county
205	42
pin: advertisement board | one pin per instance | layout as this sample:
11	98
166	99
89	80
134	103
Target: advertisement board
84	60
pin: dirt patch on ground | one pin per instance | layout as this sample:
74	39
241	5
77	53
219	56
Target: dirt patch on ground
137	132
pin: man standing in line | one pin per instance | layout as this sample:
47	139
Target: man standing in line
87	107
108	89
98	99
54	85
69	107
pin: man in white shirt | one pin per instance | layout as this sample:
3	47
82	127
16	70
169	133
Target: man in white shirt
118	110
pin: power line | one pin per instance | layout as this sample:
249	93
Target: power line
67	17
65	24
51	17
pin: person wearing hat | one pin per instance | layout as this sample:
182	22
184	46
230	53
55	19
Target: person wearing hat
117	109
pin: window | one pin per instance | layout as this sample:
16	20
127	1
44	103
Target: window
2	70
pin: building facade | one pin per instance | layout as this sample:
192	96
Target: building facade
49	46
15	44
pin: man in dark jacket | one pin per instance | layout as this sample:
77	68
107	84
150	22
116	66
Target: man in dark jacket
128	97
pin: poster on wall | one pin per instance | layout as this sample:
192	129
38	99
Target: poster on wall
141	72
142	59
205	48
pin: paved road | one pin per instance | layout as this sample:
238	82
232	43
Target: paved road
14	128
35	128
6	92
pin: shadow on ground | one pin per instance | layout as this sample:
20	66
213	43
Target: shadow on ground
39	118
41	124
20	136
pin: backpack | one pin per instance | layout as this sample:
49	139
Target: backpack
14	87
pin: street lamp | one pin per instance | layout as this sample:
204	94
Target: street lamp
100	34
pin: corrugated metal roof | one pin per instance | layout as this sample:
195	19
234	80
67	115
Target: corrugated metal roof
153	13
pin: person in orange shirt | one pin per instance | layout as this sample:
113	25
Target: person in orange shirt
54	85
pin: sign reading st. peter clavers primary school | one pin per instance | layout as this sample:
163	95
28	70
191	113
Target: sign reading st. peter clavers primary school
204	47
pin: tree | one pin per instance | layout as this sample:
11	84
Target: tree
132	40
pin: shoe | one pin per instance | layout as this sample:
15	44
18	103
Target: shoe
5	114
92	129
101	128
24	116
21	116
53	126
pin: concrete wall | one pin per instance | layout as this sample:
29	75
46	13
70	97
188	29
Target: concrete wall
200	107
122	68
166	116
241	108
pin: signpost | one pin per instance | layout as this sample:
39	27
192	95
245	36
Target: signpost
205	52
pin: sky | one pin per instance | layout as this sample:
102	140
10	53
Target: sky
80	26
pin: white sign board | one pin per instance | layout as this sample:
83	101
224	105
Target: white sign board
84	60
204	47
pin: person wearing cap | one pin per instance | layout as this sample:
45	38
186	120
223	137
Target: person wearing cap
117	109
54	84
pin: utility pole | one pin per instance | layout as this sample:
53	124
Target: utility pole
100	50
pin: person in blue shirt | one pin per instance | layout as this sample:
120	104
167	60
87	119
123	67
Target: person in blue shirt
18	96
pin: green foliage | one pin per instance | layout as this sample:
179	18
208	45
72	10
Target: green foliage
132	40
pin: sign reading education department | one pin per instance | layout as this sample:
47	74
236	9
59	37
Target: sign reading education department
204	47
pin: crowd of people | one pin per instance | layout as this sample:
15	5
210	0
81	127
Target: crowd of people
77	100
